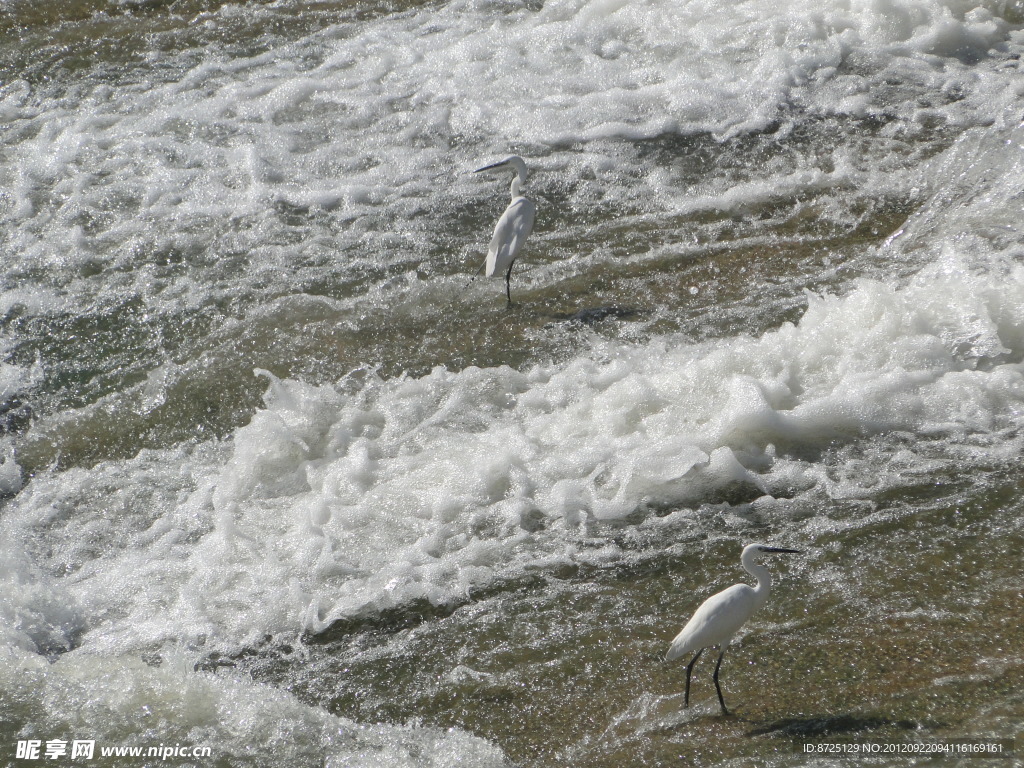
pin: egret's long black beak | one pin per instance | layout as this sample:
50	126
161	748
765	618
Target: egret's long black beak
491	167
782	550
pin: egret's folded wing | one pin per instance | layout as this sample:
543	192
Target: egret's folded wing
715	622
510	235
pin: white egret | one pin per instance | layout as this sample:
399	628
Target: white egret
513	227
722	614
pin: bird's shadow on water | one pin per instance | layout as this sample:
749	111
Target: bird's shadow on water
592	315
821	726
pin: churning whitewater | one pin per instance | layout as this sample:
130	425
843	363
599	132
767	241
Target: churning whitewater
341	501
247	397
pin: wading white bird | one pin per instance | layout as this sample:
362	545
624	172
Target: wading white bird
513	227
722	614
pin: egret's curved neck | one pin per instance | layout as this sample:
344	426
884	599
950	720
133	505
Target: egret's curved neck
764	578
517	185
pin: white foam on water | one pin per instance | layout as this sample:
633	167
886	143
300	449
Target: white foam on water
349	500
973	204
17	382
123	702
37	613
134	522
369	121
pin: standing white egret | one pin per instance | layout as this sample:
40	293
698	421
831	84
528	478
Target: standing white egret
513	227
722	614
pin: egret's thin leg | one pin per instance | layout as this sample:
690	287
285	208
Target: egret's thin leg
478	273
689	671
717	686
474	277
508	277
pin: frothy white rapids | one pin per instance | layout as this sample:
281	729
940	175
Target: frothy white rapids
369	120
343	501
348	500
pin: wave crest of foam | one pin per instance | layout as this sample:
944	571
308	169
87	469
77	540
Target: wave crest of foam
379	492
348	500
366	120
125	703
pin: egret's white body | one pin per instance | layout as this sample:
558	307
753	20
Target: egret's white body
513	227
721	615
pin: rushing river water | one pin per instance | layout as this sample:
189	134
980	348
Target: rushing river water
281	480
